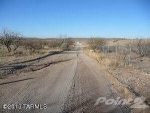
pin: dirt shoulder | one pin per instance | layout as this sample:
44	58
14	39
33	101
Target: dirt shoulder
129	82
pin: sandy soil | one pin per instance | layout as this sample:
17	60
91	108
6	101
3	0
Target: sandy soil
135	80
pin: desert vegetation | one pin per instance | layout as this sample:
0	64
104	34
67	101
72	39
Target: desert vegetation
14	45
142	47
120	54
95	43
10	39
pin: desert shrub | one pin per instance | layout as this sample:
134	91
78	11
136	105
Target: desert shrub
7	39
16	43
68	41
142	47
0	41
67	44
55	43
95	43
18	53
44	42
33	45
0	44
10	39
114	64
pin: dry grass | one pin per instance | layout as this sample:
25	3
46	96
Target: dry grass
121	42
101	58
106	61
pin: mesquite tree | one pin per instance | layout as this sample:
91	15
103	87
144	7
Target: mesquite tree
9	39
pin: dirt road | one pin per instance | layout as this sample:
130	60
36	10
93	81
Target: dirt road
71	85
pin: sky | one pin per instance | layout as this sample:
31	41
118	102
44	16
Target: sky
77	18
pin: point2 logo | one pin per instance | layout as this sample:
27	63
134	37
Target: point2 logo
136	103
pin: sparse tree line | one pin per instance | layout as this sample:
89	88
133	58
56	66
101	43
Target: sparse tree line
118	56
139	46
13	40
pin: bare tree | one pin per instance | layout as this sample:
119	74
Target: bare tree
10	38
143	47
7	39
16	40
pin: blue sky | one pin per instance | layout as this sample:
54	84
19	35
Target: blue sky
77	18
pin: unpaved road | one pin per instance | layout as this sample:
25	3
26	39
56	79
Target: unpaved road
72	85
